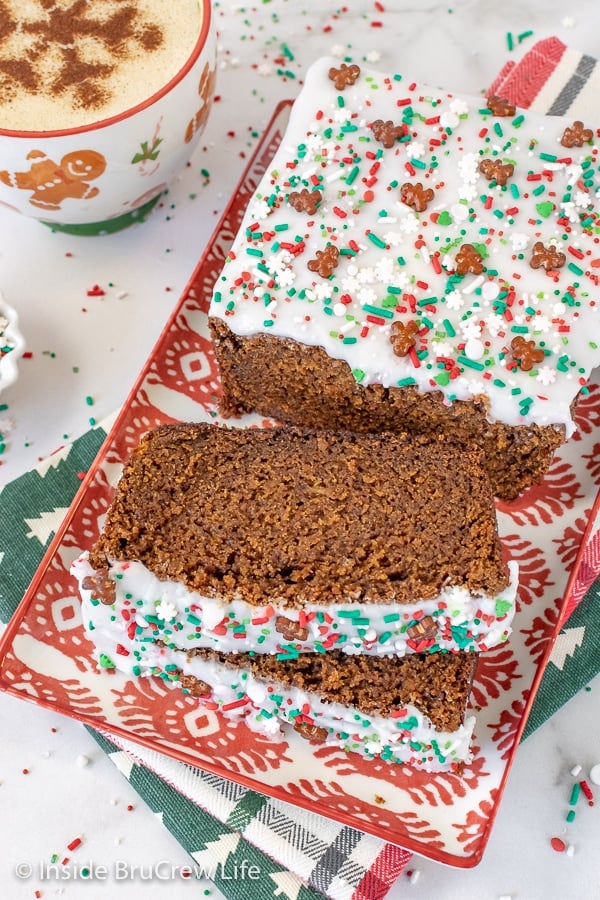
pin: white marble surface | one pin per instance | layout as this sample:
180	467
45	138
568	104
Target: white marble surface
85	346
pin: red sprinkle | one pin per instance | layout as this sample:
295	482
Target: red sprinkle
96	291
558	844
77	842
587	791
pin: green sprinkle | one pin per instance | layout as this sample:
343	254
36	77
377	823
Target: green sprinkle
376	240
574	268
575	794
450	331
549	157
544	209
358	375
470	363
378	311
352	175
502	608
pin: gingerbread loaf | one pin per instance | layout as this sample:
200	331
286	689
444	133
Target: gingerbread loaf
286	541
421	262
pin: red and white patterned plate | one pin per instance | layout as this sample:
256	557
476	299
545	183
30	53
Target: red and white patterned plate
45	657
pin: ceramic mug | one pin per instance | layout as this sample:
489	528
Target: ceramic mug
102	177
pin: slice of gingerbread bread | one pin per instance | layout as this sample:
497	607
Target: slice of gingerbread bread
285	541
415	260
411	710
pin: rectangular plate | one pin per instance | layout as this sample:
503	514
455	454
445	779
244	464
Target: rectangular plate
46	658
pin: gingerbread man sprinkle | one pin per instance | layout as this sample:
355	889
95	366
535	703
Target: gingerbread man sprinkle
101	586
547	257
345	76
403	336
496	170
469	260
305	200
525	353
325	262
387	133
576	135
311	732
500	107
424	630
416	195
290	630
194	686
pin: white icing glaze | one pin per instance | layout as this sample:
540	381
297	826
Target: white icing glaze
403	269
268	707
167	609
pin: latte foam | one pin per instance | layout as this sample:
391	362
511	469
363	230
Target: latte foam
68	63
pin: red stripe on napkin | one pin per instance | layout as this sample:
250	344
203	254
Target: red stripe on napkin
520	83
382	874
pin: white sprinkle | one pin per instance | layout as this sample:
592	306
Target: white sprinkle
473	285
46	754
474	349
339	309
570	851
490	290
415	876
118	841
82	760
595	774
575	771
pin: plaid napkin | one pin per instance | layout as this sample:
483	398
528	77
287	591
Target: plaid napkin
300	854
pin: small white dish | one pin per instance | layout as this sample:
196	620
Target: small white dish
12	344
